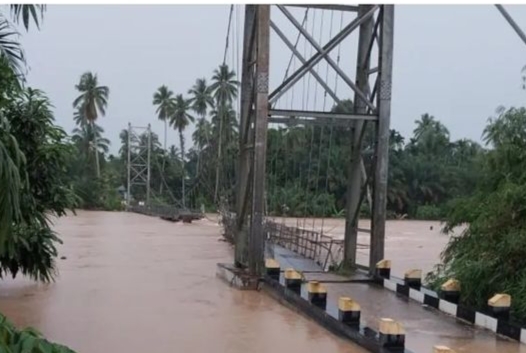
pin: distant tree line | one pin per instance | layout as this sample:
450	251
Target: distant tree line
307	165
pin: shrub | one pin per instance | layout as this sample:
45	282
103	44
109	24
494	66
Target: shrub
28	340
428	213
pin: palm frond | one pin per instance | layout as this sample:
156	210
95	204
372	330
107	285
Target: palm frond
28	12
10	48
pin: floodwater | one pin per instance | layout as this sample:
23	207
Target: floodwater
408	244
132	283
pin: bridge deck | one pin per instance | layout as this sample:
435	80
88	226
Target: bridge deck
425	327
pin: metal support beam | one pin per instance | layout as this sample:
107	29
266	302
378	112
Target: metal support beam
148	173
257	234
290	121
139	161
128	186
356	178
313	72
382	144
348	8
333	43
327	115
256	113
366	16
512	22
245	138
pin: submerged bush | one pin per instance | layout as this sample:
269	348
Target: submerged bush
27	340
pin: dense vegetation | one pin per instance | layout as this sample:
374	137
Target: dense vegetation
34	153
307	165
489	256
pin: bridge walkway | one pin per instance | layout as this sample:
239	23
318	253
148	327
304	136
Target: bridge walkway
425	327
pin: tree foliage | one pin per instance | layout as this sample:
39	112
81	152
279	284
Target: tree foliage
13	340
11	52
90	104
30	246
488	257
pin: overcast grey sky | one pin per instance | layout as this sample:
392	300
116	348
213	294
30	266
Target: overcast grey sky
457	63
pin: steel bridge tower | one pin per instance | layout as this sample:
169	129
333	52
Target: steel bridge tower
138	166
372	105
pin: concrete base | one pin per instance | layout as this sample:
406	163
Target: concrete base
318	299
294	285
273	273
383	272
394	343
236	277
415	283
450	296
500	312
350	318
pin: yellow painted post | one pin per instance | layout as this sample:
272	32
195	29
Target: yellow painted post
392	334
293	280
383	268
450	291
500	305
413	278
272	269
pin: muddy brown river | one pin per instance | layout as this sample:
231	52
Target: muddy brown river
132	283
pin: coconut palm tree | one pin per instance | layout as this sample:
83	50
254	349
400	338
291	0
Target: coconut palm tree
202	134
164	101
224	87
87	135
180	119
201	99
173	153
92	102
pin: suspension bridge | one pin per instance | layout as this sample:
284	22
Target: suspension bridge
340	56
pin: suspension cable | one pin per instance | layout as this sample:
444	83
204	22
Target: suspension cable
332	123
228	32
317	180
292	56
305	105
